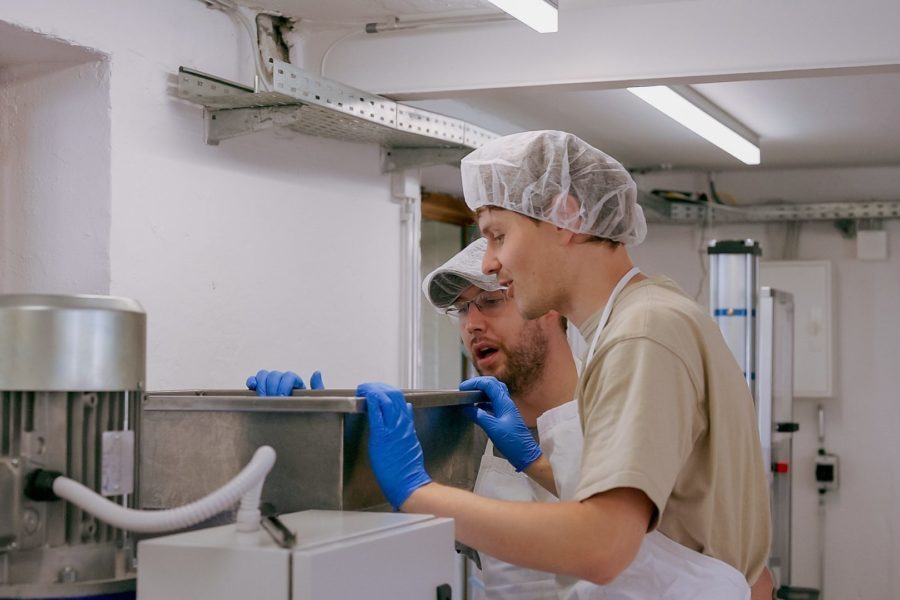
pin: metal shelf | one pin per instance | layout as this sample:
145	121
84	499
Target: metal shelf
664	211
317	106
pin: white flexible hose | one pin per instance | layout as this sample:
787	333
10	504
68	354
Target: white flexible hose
250	479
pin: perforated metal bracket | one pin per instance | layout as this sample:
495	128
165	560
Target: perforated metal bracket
317	106
226	123
397	159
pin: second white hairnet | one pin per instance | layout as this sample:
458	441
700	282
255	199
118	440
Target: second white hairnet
445	284
533	173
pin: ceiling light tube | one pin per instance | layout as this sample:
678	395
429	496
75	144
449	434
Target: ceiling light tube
540	15
682	106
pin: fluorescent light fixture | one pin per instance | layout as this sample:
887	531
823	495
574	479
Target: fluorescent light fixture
540	15
677	106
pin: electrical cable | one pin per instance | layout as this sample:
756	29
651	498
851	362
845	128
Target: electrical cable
246	485
231	8
331	47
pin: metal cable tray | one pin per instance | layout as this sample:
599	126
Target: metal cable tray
317	106
659	210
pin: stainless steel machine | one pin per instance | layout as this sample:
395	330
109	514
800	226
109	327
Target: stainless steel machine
73	412
775	408
72	371
194	441
757	324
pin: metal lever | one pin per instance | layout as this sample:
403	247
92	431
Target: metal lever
469	552
283	536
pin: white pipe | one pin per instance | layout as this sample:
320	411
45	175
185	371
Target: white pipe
250	478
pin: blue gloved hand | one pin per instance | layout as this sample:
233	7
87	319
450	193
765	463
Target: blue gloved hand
276	383
502	422
394	449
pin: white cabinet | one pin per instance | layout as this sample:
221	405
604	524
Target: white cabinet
810	283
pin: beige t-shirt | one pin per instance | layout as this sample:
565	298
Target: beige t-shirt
665	409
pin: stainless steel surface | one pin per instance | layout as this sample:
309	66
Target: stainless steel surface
775	404
731	303
318	106
59	431
194	441
69	590
333	400
765	373
751	271
71	371
61	343
117	463
410	277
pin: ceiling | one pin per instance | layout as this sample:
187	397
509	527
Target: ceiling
846	120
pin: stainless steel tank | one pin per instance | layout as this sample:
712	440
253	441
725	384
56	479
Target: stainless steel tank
194	441
72	370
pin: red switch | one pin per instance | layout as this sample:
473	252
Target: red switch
781	467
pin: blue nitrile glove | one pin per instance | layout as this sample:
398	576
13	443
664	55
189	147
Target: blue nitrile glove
502	422
276	383
394	450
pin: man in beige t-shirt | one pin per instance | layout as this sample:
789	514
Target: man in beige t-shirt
672	480
665	409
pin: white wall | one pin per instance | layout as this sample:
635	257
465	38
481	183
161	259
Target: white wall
54	178
274	250
862	525
441	347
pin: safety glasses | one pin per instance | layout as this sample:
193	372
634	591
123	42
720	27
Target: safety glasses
488	303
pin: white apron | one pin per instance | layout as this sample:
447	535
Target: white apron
500	580
662	569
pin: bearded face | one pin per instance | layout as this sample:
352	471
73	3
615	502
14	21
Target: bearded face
518	362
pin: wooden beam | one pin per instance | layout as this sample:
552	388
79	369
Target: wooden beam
446	209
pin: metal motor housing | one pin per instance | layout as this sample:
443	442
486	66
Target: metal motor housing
72	371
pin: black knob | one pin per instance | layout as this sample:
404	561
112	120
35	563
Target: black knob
39	485
787	427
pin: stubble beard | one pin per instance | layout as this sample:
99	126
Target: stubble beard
525	362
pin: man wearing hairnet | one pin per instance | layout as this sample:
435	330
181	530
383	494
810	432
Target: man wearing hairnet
533	359
535	362
671	499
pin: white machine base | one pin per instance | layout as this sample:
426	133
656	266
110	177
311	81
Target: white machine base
338	556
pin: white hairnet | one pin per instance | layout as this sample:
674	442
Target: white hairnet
445	284
534	172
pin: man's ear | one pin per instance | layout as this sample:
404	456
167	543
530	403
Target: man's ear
550	318
568	210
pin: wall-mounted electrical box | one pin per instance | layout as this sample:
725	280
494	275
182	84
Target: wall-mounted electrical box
809	281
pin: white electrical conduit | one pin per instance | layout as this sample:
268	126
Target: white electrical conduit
248	483
233	10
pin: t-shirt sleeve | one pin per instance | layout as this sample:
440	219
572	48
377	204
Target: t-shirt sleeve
639	407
